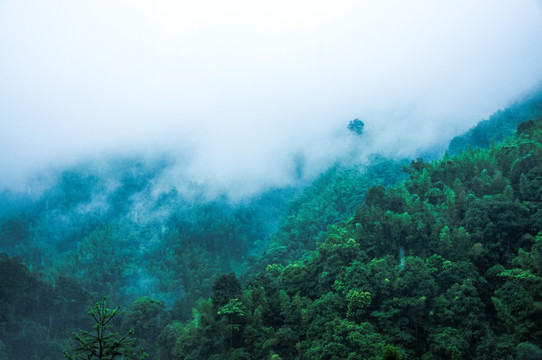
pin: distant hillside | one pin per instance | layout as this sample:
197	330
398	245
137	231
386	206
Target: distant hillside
501	124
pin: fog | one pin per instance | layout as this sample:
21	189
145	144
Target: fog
244	93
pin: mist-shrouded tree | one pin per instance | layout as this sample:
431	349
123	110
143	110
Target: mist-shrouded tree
356	126
103	343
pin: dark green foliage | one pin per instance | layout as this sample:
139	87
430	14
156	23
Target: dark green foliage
25	321
225	288
233	311
528	351
167	340
343	339
147	317
391	353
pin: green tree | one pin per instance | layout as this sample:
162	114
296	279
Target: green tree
528	351
342	339
103	343
147	317
391	353
357	301
167	340
232	310
356	126
225	287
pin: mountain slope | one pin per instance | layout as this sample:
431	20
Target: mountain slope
501	124
446	264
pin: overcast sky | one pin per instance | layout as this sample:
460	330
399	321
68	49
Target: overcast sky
240	88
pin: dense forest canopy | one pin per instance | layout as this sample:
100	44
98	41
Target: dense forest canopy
386	259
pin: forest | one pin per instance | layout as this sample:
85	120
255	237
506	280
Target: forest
437	257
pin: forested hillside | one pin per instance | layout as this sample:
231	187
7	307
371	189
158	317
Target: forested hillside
444	265
387	259
98	229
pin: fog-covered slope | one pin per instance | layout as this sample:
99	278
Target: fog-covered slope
501	124
110	227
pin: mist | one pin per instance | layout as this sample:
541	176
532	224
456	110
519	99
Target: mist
242	94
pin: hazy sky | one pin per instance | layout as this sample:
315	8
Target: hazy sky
241	88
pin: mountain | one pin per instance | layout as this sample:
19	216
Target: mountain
386	259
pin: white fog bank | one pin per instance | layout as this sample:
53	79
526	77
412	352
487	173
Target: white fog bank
245	89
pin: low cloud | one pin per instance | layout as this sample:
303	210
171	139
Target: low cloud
245	94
